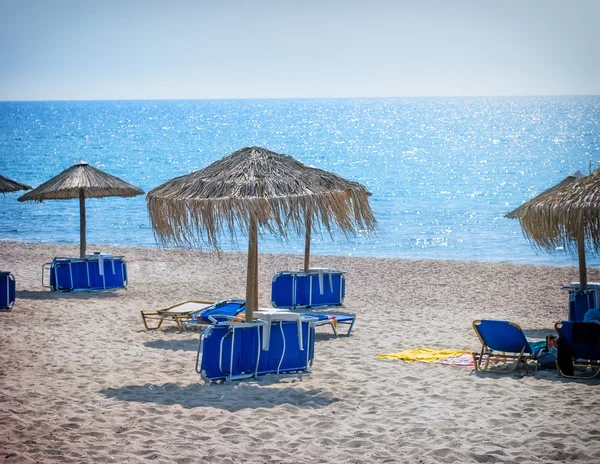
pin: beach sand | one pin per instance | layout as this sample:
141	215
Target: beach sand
81	380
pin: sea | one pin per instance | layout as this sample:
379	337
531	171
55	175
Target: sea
443	172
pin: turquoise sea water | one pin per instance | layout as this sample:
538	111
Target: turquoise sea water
443	172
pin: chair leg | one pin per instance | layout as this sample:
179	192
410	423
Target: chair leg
147	316
488	356
334	328
350	329
487	359
580	377
477	362
178	324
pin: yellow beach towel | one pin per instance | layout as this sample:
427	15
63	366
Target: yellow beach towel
423	354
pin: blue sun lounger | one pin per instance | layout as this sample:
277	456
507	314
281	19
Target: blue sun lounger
333	320
502	342
232	350
177	313
221	311
194	313
7	290
228	309
578	347
94	272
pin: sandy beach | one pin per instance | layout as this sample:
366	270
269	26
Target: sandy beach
81	380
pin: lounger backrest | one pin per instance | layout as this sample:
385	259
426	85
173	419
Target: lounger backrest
502	336
583	338
222	308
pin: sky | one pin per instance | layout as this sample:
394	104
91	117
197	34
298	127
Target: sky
189	49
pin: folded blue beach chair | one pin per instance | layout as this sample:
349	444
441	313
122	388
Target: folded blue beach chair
233	350
580	301
578	349
98	271
316	288
502	343
7	290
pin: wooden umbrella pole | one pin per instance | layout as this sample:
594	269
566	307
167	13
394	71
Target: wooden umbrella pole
256	278
307	244
251	270
582	264
82	244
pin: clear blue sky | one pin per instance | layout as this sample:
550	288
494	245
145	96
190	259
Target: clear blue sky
147	49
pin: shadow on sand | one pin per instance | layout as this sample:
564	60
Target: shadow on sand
231	397
324	336
538	334
545	375
173	345
48	295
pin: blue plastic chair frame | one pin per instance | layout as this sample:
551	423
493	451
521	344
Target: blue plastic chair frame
232	351
502	342
8	290
77	274
582	343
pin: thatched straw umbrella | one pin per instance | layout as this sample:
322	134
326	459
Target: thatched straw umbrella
250	189
566	215
7	185
81	181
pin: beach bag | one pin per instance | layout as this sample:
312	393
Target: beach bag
547	360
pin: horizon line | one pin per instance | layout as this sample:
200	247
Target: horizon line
297	98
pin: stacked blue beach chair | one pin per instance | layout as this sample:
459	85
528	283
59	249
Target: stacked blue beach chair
280	340
312	289
98	271
7	290
316	288
580	301
230	350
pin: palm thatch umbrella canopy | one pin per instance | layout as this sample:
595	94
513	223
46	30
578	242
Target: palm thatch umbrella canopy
566	215
7	185
81	181
251	188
